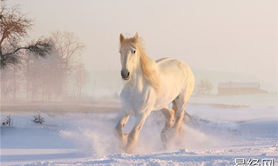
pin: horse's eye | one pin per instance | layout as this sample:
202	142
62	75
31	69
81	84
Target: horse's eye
133	51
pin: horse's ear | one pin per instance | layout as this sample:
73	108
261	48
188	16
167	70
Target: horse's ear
122	38
136	36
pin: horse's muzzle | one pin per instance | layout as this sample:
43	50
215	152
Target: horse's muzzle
125	74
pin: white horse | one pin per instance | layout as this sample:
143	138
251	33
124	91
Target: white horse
151	85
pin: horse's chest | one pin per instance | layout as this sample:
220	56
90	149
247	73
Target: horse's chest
136	99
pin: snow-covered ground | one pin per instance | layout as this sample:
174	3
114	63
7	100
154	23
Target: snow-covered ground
220	130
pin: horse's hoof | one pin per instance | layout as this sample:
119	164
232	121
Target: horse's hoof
164	141
124	139
129	148
181	131
166	137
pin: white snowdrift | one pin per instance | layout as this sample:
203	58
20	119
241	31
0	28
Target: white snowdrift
213	136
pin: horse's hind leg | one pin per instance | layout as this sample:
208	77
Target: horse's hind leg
181	102
170	119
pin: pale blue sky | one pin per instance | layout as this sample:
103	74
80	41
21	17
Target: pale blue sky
238	36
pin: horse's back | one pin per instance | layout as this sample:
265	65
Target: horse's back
176	78
173	67
162	59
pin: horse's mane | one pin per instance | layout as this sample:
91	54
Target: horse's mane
148	67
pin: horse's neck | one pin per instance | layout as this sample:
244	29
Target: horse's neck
150	72
137	79
146	73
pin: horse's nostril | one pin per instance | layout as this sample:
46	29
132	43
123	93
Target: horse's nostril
124	74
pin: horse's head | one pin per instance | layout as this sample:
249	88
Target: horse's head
129	55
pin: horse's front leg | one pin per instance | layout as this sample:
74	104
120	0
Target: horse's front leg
133	135
123	118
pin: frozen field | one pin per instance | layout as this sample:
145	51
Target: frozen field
220	130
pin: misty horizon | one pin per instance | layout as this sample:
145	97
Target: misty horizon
235	37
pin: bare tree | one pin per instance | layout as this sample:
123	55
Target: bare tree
13	27
68	46
80	78
69	49
43	78
48	78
